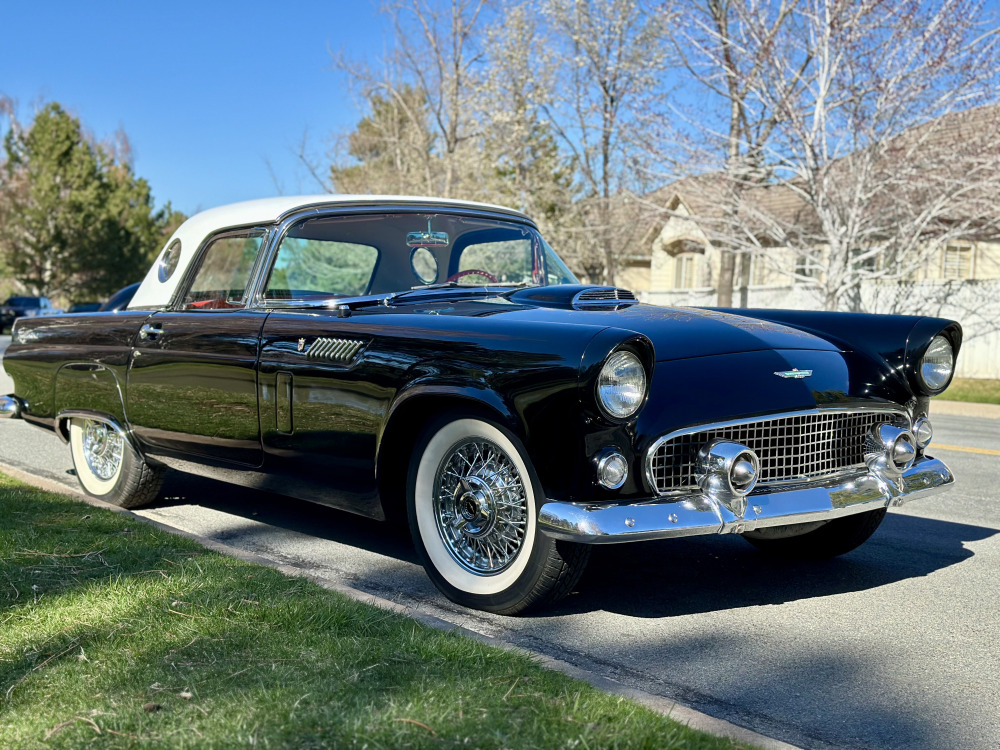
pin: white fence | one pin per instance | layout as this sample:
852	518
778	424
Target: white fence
974	304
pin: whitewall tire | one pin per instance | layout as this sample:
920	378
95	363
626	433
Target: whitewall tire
107	466
473	502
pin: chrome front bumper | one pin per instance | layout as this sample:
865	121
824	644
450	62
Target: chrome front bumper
696	513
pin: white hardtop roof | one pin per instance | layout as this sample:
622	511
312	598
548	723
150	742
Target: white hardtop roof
271	209
155	293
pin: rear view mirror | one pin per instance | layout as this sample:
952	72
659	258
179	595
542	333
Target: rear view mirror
428	238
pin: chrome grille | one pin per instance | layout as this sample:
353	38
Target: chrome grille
795	447
337	350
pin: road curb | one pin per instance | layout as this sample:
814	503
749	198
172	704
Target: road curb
964	409
676	711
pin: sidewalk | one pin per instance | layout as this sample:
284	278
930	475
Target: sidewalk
965	409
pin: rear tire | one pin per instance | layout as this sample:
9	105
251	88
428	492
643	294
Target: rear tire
836	537
109	468
472	501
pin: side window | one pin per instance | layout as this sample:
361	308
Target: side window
510	261
220	283
313	268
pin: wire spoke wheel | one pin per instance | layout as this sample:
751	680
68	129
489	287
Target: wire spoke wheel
103	449
472	501
480	506
108	467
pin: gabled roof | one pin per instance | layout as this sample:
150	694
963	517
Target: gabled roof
956	149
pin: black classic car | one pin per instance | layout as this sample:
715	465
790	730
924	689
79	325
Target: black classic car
435	362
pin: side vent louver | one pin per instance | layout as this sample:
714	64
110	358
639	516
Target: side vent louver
604	298
341	351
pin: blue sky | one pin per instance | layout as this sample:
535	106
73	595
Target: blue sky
207	92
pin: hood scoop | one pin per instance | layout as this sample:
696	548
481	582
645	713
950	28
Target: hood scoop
604	298
575	297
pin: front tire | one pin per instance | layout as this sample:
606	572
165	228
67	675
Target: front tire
833	538
109	468
472	501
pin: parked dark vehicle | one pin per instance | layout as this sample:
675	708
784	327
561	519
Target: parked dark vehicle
120	299
79	307
24	307
435	361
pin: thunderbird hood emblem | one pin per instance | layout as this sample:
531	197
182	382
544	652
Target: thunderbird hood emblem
795	373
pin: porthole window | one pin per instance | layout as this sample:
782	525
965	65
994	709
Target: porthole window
168	261
424	265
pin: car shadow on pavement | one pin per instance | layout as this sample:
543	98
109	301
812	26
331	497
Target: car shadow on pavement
714	573
288	514
649	579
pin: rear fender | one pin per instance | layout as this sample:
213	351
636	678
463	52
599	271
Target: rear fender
90	386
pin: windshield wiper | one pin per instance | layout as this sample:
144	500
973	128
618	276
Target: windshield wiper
342	304
476	289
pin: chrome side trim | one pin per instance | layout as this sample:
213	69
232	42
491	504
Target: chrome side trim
10	407
852	409
697	513
63	417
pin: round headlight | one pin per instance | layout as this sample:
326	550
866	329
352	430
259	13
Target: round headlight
621	386
937	364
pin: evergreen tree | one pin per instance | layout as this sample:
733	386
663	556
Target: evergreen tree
74	219
390	151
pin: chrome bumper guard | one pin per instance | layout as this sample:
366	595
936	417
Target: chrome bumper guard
10	407
696	513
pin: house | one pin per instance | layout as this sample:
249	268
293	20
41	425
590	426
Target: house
929	238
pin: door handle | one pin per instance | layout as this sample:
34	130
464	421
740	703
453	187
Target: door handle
150	331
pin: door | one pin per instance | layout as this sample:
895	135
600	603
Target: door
192	386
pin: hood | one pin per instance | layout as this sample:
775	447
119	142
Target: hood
676	333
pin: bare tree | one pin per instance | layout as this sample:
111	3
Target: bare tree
610	61
391	149
425	86
522	164
857	124
724	46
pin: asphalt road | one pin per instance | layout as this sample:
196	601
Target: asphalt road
896	645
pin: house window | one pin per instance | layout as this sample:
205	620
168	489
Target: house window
956	262
807	266
759	273
684	268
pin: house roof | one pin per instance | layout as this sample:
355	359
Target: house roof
957	154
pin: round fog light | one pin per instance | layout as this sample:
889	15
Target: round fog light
923	433
889	450
612	469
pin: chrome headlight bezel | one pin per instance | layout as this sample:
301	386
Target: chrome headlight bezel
620	367
934	376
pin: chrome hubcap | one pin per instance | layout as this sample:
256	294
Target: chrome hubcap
480	506
102	449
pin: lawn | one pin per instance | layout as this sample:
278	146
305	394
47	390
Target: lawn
974	390
115	634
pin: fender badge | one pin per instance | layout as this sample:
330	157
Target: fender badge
302	344
795	373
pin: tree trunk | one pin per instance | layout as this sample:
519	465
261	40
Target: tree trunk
745	279
724	285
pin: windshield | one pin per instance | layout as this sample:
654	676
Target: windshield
24	302
348	256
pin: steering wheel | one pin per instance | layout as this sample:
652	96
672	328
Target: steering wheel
470	272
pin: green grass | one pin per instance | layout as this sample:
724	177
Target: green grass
114	634
974	390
